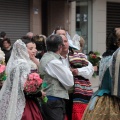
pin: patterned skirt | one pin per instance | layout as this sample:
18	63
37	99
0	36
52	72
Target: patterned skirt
106	108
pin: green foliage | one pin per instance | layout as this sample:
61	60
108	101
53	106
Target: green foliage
94	58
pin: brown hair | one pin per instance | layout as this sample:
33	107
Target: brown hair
59	28
6	39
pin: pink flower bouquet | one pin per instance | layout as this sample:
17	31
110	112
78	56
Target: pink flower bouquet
33	83
2	72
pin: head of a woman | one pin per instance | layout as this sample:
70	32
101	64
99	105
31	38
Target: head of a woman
6	43
112	39
60	30
111	42
118	36
31	47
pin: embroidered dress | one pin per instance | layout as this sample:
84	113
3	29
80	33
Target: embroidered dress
82	87
105	103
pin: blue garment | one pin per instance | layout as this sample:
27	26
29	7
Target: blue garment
106	84
106	81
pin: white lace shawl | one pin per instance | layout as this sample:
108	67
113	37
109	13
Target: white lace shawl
12	99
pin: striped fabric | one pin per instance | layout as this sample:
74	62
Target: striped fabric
78	60
82	87
82	90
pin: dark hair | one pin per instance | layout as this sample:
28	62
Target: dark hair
6	39
27	40
111	43
91	52
2	34
59	28
40	42
53	42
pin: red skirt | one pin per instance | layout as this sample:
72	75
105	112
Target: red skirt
78	110
31	111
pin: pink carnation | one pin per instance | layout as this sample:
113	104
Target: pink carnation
33	83
33	89
39	81
30	77
2	68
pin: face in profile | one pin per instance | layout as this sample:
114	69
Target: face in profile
66	44
61	32
31	47
117	32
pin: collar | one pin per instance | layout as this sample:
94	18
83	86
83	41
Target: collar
62	57
55	54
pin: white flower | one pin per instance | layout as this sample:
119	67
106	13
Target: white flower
2	55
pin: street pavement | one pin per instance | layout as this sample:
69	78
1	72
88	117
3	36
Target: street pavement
95	83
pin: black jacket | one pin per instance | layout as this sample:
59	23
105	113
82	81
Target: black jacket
7	54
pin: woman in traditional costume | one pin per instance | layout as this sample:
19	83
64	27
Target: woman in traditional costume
105	103
82	90
14	104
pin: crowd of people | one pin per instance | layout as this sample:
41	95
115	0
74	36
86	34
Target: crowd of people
65	92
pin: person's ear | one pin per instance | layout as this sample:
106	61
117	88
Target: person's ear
60	47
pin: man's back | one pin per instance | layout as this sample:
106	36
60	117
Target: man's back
57	79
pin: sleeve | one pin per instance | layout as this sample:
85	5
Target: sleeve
87	71
56	69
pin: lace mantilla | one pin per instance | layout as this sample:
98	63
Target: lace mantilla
12	99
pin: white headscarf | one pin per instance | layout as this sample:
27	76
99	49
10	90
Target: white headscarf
12	99
76	41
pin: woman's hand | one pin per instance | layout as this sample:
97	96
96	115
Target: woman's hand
43	93
34	59
74	71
